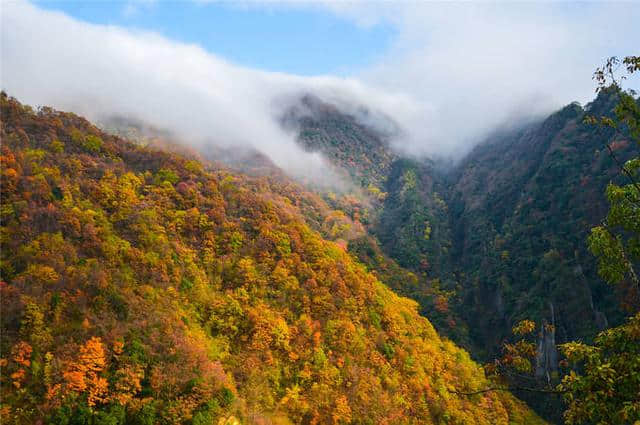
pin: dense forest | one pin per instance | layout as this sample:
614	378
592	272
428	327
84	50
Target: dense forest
523	208
319	213
501	236
143	287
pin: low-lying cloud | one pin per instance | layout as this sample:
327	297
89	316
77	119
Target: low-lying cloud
49	58
476	66
454	73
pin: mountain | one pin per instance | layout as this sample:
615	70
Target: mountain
505	229
141	286
500	236
523	205
398	200
347	141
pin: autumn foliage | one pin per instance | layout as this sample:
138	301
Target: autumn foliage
139	288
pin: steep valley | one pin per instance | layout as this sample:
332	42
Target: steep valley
500	236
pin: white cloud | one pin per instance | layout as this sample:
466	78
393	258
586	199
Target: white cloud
475	66
453	73
49	58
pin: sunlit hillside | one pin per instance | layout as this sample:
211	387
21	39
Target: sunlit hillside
140	287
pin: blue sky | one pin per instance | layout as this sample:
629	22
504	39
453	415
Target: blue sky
297	40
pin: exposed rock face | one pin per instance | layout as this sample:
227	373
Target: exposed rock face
547	354
601	320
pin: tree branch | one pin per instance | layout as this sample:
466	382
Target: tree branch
510	389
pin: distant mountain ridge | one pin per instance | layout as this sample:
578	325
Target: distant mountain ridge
345	141
518	204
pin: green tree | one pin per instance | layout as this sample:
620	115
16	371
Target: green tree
604	388
616	242
607	388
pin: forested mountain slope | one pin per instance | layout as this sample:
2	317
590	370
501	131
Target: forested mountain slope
361	151
140	287
398	199
523	205
502	235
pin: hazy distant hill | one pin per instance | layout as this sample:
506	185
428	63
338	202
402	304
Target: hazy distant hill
347	142
497	238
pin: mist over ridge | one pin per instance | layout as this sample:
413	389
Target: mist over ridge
438	92
102	71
